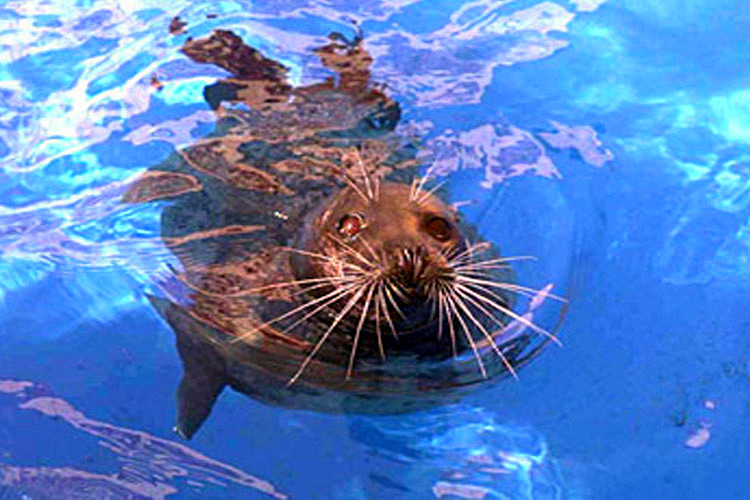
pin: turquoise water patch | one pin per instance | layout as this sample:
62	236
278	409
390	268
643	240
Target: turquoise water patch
148	14
49	21
123	73
183	92
732	115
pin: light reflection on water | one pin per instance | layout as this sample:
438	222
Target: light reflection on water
458	451
150	464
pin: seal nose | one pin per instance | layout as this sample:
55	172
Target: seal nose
409	261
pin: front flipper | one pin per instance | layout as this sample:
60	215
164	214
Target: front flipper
198	391
203	368
203	376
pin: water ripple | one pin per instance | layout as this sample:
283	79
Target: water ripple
150	465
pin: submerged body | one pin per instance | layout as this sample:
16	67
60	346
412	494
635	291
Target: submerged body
317	271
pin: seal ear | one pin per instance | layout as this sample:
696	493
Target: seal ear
203	376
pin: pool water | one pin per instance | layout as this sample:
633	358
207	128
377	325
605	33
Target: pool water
610	139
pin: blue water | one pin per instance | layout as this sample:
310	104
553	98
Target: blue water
609	138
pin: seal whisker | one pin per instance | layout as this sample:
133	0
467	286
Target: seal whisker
440	317
350	250
512	287
426	196
396	288
481	308
467	256
378	332
490	263
423	180
323	257
352	183
370	249
507	310
242	293
317	310
490	339
467	333
432	297
470	250
355	298
449	318
285	284
522	293
370	289
384	306
464	255
365	175
391	287
336	294
420	186
348	279
377	188
487	291
417	264
481	268
412	192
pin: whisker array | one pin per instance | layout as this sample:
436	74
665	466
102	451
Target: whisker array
465	282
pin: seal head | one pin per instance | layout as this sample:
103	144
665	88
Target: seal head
391	233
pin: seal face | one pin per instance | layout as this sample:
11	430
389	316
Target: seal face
386	253
317	270
386	247
391	228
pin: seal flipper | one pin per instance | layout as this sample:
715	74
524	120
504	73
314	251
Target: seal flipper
203	368
198	390
203	376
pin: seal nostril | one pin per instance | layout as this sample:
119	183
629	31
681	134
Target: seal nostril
403	259
400	258
409	263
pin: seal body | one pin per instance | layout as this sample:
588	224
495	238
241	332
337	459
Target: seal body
261	310
316	270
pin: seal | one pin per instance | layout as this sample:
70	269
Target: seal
317	269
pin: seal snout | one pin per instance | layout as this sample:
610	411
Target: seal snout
413	266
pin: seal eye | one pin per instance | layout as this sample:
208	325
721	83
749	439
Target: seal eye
351	224
439	228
